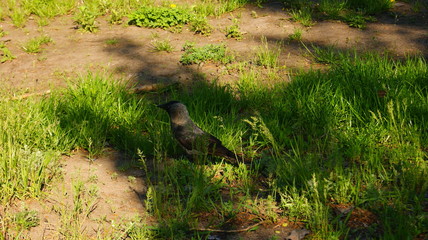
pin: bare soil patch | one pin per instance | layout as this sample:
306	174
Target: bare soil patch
400	32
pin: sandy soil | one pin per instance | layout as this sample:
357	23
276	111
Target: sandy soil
399	32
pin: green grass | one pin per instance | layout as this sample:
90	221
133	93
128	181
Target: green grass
303	16
5	53
34	45
353	134
217	7
233	31
159	17
199	24
210	52
296	35
162	45
266	56
356	13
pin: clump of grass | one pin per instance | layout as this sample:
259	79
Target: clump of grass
2	32
217	7
34	45
233	31
199	24
48	9
86	116
85	17
26	219
297	35
333	8
5	53
162	45
357	19
210	52
30	147
112	41
303	16
370	6
265	56
329	54
19	17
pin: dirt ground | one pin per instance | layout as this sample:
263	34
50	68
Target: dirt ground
400	32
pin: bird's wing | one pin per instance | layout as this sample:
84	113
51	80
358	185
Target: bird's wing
216	147
187	135
191	137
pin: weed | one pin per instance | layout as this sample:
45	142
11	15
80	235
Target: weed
333	8
297	35
233	30
19	17
265	56
200	25
86	16
217	7
303	16
112	41
34	45
5	54
210	52
328	54
162	45
42	21
357	20
2	32
26	219
159	17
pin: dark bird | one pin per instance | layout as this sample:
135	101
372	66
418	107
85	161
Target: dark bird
193	139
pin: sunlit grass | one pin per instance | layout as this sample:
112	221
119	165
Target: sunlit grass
353	135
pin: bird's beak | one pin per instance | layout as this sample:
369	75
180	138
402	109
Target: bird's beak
161	106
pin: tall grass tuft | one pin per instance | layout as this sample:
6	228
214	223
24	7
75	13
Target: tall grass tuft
357	130
30	144
96	112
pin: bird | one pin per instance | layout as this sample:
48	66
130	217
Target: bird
195	141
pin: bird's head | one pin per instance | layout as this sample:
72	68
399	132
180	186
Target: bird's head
177	111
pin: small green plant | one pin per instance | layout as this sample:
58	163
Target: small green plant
115	17
2	32
162	45
19	17
233	30
303	16
297	35
210	52
199	24
1	14
5	53
34	45
254	14
85	17
265	56
26	219
159	17
358	20
42	21
332	8
112	41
